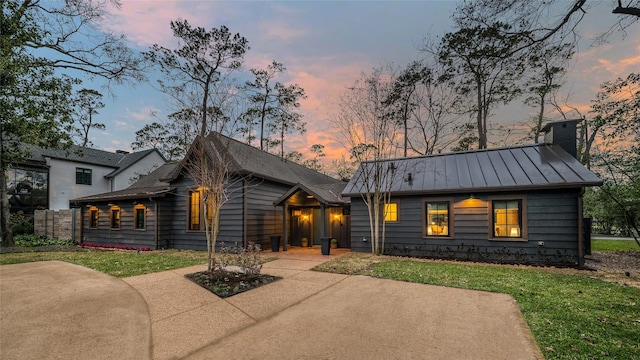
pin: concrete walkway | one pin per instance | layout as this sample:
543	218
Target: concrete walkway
312	315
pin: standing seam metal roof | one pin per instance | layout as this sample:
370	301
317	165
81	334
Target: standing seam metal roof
512	168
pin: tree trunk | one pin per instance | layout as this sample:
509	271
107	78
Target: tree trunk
482	132
5	216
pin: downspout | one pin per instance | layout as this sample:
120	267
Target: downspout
156	225
244	215
73	224
580	229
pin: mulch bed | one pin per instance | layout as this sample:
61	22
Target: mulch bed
228	283
620	267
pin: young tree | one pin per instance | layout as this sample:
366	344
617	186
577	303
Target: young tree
40	42
86	103
371	140
210	168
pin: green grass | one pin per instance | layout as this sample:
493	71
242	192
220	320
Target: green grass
116	263
613	245
571	317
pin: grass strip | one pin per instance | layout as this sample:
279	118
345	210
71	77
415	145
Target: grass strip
116	263
614	245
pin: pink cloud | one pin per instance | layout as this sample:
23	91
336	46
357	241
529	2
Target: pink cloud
148	22
324	81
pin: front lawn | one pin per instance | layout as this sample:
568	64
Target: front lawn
570	316
114	262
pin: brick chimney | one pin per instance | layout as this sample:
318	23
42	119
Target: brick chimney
562	133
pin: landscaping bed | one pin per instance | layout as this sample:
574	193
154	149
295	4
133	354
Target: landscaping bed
228	283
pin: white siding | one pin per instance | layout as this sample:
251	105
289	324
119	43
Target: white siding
62	182
144	166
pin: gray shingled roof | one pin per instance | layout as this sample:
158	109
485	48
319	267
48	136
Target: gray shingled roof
505	169
325	193
253	161
118	161
151	185
130	159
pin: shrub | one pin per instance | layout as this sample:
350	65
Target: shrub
30	240
21	223
223	258
249	260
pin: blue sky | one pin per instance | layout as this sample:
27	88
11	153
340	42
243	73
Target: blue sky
325	46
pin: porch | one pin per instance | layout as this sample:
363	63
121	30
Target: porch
306	254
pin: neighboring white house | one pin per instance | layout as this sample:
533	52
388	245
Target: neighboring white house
74	173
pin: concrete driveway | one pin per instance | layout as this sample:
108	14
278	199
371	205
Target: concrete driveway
312	315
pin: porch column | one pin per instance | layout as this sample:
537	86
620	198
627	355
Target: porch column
284	226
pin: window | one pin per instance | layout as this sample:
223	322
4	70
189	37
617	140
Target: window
115	217
507	218
139	220
391	212
437	218
83	176
93	217
194	210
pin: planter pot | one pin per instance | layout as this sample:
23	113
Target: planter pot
275	243
334	246
324	245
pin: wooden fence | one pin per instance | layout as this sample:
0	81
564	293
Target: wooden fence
59	224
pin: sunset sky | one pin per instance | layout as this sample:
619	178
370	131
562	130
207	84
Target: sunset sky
325	46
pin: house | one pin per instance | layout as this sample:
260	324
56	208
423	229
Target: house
50	178
516	205
267	196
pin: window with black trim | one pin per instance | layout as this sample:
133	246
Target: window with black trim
93	217
83	176
437	218
391	212
507	218
139	217
115	217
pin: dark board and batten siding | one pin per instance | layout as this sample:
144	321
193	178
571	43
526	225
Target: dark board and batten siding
262	218
165	216
552	218
230	219
126	235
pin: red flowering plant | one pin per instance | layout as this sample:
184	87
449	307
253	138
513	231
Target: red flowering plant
114	247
